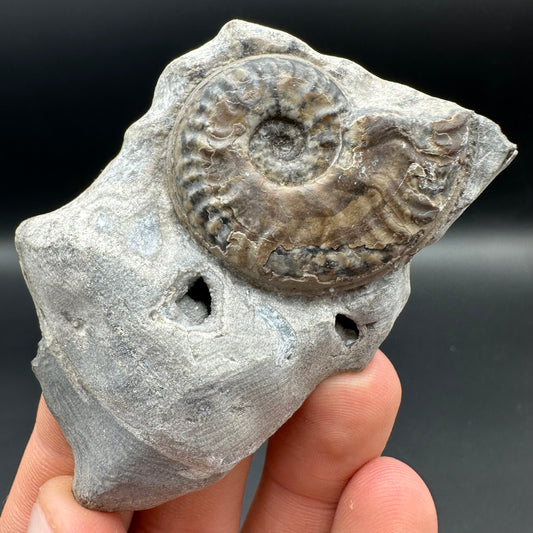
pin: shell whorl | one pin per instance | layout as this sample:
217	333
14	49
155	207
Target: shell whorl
275	173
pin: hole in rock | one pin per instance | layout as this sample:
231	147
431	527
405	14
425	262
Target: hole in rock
195	304
347	329
199	292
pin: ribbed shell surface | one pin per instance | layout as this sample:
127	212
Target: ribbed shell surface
274	172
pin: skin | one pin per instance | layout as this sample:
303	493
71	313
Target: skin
324	472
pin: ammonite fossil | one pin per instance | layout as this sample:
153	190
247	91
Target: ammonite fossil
289	181
251	238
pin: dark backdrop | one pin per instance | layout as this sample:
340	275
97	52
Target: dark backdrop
76	74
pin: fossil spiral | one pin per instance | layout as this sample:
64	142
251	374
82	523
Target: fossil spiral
276	173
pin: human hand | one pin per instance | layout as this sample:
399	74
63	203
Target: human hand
323	472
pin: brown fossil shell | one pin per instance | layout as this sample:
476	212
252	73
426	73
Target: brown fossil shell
276	171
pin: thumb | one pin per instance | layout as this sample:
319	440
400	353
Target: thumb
56	511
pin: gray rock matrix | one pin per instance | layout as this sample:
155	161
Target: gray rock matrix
184	316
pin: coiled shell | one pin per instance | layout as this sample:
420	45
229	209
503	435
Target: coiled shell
277	173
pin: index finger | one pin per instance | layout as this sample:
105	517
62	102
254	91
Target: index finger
47	455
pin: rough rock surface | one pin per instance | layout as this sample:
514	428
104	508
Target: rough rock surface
251	238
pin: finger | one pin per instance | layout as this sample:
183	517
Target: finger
57	511
216	509
386	495
47	455
343	424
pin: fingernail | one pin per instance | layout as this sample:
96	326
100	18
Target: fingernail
38	523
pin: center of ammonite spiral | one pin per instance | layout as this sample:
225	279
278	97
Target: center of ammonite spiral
284	138
276	148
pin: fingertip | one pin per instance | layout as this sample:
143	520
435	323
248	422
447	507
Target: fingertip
57	508
388	378
391	380
386	495
383	386
347	407
38	522
378	381
49	433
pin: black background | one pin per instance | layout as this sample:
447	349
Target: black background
75	74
